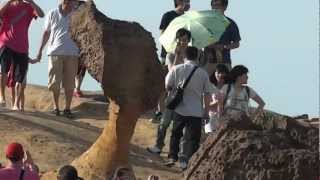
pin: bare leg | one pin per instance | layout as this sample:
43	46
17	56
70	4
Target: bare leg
78	82
13	95
18	96
3	82
55	95
68	94
21	104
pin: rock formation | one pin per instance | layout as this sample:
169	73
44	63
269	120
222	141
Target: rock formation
122	57
243	150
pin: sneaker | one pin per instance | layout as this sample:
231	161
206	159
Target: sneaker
77	94
183	165
154	150
56	112
170	162
157	117
67	113
153	177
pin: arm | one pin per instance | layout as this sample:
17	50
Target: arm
169	81
29	164
39	12
4	6
207	100
232	45
45	38
260	107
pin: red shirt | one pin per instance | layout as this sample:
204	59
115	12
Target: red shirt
15	26
13	173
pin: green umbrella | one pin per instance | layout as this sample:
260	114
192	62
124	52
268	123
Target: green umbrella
206	27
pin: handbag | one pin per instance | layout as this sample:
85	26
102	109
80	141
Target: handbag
175	96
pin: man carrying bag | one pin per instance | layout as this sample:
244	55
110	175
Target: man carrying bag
187	104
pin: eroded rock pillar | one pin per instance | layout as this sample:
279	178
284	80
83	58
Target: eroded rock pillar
111	149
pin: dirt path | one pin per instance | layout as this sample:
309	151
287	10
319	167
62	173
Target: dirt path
56	141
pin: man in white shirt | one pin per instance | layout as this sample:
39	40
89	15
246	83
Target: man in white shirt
63	54
189	113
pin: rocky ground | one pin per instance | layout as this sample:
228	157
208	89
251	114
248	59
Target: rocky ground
56	141
270	148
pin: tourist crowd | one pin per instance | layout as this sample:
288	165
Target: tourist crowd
210	85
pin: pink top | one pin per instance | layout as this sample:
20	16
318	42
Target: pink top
15	25
13	172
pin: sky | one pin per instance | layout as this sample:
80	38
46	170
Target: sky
280	45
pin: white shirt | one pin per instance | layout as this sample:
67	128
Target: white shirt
237	102
199	84
60	42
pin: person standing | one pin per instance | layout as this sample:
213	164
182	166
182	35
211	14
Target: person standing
183	38
220	52
218	79
189	113
16	16
180	7
63	54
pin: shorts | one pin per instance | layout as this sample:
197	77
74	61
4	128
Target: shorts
62	69
19	61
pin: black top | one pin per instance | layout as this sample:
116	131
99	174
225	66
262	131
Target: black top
231	34
165	21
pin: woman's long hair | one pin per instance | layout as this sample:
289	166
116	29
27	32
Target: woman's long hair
220	68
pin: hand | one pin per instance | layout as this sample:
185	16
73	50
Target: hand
218	96
27	158
34	61
39	56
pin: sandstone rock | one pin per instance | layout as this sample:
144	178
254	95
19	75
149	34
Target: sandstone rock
122	57
244	151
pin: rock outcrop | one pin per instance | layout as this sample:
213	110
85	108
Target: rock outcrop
243	150
122	57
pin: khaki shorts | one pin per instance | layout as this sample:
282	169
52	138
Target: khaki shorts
62	69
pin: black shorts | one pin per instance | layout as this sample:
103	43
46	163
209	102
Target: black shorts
19	62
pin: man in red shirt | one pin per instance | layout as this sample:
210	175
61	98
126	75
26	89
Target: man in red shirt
17	167
16	17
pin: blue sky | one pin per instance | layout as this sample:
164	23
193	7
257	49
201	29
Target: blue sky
280	45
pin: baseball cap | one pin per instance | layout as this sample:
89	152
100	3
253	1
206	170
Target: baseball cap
14	151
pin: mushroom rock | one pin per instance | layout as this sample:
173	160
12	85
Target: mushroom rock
121	56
